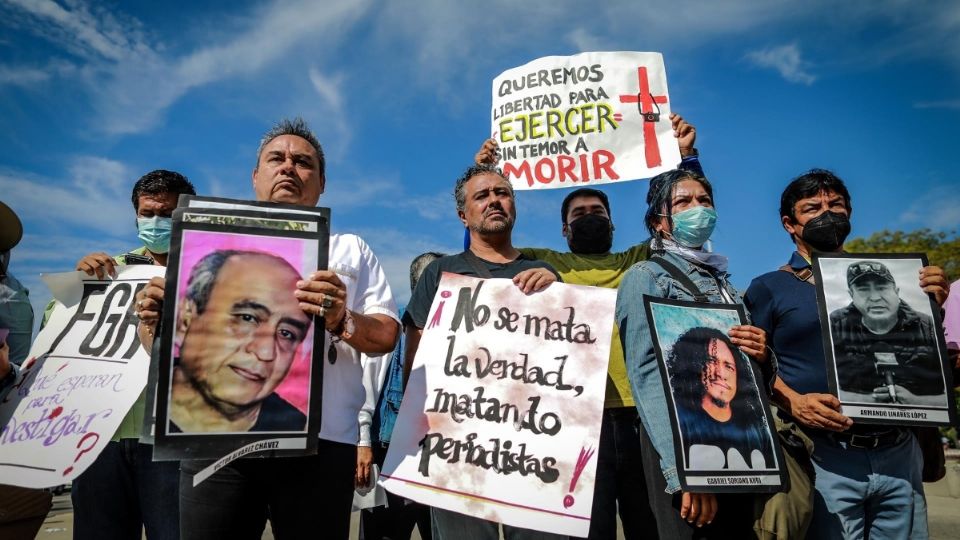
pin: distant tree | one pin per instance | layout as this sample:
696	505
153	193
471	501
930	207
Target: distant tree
942	248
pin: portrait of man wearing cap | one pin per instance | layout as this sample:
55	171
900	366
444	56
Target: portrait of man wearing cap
885	350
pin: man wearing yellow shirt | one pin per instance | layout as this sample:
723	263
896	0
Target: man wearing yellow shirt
124	491
587	226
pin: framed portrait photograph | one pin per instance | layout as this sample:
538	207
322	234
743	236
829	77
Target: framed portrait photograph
883	339
240	363
722	426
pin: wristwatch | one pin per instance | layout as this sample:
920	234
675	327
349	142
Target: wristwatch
347	326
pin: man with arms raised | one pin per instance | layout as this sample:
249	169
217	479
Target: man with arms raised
299	494
868	477
587	226
485	205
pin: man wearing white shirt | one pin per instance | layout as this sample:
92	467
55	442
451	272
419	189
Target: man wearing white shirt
299	493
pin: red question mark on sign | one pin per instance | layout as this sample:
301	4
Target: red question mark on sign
96	437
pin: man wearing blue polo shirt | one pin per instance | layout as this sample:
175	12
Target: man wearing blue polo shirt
868	477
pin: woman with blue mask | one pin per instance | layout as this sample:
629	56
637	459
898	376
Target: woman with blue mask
681	218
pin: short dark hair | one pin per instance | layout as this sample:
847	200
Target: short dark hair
688	360
660	195
298	127
809	184
476	169
419	264
583	192
203	275
160	181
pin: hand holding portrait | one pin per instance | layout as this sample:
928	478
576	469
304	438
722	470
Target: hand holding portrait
751	340
323	294
820	411
934	281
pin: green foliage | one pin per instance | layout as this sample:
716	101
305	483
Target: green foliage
942	248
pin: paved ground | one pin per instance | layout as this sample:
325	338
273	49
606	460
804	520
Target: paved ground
944	516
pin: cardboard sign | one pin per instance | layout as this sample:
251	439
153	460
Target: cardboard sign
86	369
501	415
591	118
883	339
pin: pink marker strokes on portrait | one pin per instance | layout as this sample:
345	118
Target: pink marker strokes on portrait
294	388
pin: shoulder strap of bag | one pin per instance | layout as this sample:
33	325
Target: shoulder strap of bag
477	264
805	274
682	278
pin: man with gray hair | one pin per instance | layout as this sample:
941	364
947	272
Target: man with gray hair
485	205
359	315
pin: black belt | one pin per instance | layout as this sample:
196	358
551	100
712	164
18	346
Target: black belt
868	442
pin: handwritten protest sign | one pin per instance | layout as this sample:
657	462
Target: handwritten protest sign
85	371
596	117
501	415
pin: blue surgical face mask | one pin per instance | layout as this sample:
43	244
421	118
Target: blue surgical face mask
155	233
693	227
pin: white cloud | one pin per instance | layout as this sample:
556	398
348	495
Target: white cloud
952	104
23	76
786	60
132	83
585	41
93	196
939	208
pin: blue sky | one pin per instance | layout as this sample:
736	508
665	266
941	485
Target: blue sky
95	94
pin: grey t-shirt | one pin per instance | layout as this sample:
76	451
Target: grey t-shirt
419	307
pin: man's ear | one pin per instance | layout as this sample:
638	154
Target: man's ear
323	183
463	217
788	225
565	230
186	314
253	177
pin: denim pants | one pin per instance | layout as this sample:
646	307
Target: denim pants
620	487
449	525
876	494
125	491
304	497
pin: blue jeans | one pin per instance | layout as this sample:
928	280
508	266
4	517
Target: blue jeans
304	497
449	525
876	494
125	491
620	486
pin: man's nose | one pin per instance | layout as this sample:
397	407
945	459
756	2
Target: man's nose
263	345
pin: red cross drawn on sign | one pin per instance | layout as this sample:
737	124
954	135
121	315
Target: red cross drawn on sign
650	147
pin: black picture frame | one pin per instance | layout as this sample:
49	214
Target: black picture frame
769	479
891	357
236	217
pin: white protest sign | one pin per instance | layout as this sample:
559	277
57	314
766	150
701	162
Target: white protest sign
86	369
596	117
501	416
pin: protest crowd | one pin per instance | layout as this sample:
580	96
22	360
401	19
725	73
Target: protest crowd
841	478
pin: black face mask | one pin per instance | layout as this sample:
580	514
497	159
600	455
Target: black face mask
827	231
591	234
